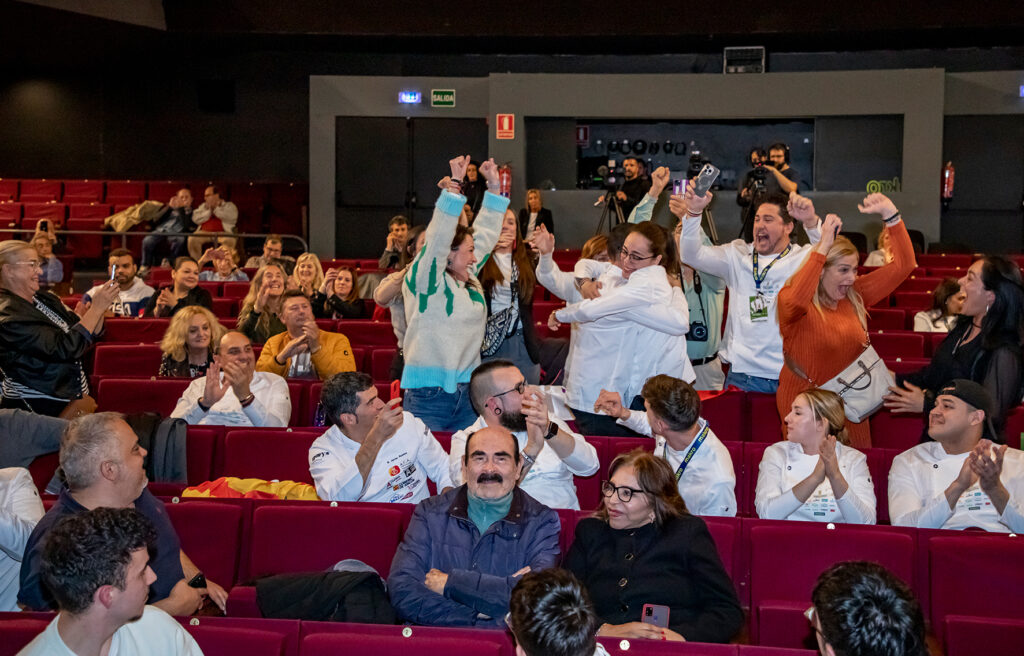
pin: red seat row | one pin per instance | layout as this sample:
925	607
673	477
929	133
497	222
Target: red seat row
360	332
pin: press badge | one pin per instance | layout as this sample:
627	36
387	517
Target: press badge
759	308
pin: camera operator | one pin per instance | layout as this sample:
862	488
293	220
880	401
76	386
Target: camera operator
745	193
634	188
774	173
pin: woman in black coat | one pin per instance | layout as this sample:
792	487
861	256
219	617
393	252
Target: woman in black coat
534	215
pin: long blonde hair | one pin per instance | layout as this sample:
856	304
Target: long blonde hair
828	405
173	342
249	302
318	276
842	247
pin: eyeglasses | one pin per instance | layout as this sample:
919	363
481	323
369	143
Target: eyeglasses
519	387
633	257
624	493
32	263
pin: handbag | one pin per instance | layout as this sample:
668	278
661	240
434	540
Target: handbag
862	385
502	324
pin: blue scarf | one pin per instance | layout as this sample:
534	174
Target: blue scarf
484	512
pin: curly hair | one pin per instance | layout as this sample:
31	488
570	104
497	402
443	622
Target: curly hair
173	342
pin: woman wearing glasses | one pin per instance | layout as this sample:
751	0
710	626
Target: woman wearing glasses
644	547
42	341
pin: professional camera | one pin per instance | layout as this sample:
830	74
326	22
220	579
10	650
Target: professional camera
698	332
759	172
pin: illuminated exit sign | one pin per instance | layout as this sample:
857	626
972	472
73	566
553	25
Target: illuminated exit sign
442	97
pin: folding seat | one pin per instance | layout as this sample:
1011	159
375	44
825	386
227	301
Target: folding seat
8	189
757	650
16	633
40	191
298	390
135	331
328	644
886	319
980	576
752	454
162	190
235	289
726	533
898	344
919	284
567	519
727	415
932	341
210	534
251	200
895	431
946	260
622	647
906	365
224	641
127	361
787	557
212	286
912	301
126	192
966	636
225	308
10	214
32	213
365	333
129	395
287	630
86	246
160	276
83	191
543	309
287	203
765	424
268	454
588	490
879	463
947	272
203	442
89	211
380	363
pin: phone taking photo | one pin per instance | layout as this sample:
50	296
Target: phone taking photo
113	272
655	614
707	176
396	389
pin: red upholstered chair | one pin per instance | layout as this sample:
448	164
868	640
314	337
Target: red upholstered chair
225	641
752	453
126	192
40	191
328	644
727	536
268	454
895	430
224	308
83	191
898	344
203	443
757	650
235	289
89	211
288	630
727	415
127	360
912	302
967	636
887	319
380	364
879	463
32	213
162	190
919	284
210	534
129	395
8	189
16	633
981	576
640	647
906	365
366	333
10	214
86	246
944	260
765	424
787	557
134	331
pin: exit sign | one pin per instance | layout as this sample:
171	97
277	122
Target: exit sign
442	97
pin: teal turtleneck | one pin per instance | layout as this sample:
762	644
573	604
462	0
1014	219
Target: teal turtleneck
484	512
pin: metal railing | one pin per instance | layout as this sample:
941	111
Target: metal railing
124	235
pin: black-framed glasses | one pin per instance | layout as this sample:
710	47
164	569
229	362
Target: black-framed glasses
633	257
519	387
624	492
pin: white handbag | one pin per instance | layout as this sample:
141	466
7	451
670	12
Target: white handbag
862	385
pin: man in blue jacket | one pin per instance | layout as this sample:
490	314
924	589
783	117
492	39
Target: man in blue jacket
466	549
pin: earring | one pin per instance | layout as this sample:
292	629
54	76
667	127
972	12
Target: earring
497	412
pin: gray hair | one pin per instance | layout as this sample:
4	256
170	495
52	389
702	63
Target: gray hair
87	441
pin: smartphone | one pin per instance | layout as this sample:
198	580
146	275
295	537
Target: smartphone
656	615
679	187
43	223
705	179
396	389
113	271
197	581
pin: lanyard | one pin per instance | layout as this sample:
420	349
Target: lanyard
759	277
692	450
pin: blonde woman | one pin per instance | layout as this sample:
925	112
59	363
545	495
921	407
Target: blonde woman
814	475
261	307
534	214
822	308
308	274
188	343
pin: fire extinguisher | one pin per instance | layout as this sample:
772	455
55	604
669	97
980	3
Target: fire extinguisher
948	173
505	179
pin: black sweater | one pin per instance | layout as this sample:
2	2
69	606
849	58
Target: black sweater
677	566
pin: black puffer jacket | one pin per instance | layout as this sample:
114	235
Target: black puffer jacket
37	353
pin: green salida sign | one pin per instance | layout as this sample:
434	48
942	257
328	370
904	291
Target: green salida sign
442	97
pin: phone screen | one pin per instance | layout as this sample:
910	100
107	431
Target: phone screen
113	271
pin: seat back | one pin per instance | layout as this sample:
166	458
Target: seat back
134	331
127	361
331	644
226	641
210	534
765	424
128	395
898	345
269	455
727	414
19	632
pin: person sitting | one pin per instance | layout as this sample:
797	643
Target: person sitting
552	452
188	343
102	463
272	254
338	297
814	475
42	343
183	291
960	480
947	302
374	451
303	350
398	232
862	609
53	268
644	547
176	218
233	393
214	215
533	215
883	254
550	614
465	549
261	308
20	510
702	465
133	294
97	564
225	263
308	274
596	248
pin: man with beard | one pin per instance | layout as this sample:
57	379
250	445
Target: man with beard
374	451
633	188
551	452
132	295
466	549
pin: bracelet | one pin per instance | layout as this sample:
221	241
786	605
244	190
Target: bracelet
892	219
528	458
247	401
692	215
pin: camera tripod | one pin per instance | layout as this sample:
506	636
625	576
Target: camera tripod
757	195
610	202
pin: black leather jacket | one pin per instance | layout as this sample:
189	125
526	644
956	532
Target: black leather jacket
35	352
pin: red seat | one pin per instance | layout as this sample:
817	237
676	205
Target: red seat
8	189
765	424
127	361
912	301
725	531
784	567
224	308
210	534
134	331
906	365
967	636
89	211
126	192
83	191
919	284
160	276
19	632
752	454
266	454
898	344
330	644
128	395
86	246
978	577
35	212
286	207
886	319
367	333
225	641
639	647
947	260
543	309
162	190
895	431
932	341
879	463
235	289
40	191
288	630
212	286
10	215
380	363
203	442
947	272
727	415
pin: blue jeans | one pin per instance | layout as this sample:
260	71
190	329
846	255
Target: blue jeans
752	383
438	409
152	242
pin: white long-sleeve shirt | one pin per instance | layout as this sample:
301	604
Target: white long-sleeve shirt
708	485
20	510
399	472
785	464
752	342
227	212
917	492
272	406
550	479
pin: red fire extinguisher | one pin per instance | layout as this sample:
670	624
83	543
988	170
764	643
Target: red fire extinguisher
948	173
505	179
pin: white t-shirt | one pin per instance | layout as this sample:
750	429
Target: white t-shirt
154	634
930	321
550	479
784	464
917	492
708	484
129	301
271	408
20	510
752	342
501	295
399	472
531	225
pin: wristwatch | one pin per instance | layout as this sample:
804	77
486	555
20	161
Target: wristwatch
552	430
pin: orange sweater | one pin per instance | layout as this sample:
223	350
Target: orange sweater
824	343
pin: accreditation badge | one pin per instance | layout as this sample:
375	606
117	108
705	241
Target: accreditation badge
758	308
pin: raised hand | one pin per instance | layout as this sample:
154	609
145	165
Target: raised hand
459	165
878	204
311	332
106	295
827	456
490	171
535	409
695	204
677	205
388	421
801	208
215	389
829	231
262	296
659	179
610	403
542	241
328	285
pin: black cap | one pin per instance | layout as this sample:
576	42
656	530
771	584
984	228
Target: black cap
970	393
